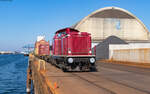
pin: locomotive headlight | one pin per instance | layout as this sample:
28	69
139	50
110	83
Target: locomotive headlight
92	60
68	35
90	52
69	52
70	60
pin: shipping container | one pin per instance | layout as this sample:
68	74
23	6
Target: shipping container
42	48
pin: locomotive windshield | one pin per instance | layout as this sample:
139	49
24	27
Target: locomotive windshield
60	33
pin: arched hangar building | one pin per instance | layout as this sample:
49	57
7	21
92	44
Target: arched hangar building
114	21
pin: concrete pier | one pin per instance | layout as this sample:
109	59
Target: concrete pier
109	79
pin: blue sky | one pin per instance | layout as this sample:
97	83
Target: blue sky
22	20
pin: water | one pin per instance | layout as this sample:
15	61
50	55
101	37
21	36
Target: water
13	74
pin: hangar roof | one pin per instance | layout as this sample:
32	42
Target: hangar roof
111	12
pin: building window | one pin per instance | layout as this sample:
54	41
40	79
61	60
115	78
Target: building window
118	24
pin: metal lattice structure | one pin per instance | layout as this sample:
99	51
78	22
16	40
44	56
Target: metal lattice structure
28	48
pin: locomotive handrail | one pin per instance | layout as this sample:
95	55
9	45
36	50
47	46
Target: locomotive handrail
75	55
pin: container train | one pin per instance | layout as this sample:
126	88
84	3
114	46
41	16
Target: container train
42	49
71	51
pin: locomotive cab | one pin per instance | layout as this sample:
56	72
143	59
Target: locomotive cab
72	50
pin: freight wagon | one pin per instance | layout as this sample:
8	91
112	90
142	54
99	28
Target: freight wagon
71	50
42	49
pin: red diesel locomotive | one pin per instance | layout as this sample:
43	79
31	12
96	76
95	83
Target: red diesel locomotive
71	50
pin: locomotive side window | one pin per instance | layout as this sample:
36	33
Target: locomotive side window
64	32
59	35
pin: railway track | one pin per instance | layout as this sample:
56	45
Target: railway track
141	90
99	86
96	75
132	69
83	76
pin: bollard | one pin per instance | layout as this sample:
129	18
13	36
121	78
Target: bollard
41	62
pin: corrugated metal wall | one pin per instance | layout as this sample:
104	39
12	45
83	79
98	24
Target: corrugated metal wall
129	46
132	55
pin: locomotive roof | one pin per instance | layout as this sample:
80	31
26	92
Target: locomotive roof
62	30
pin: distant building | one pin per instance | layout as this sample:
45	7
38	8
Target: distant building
6	52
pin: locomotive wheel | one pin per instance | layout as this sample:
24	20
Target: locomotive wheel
64	69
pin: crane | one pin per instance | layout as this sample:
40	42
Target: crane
28	48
